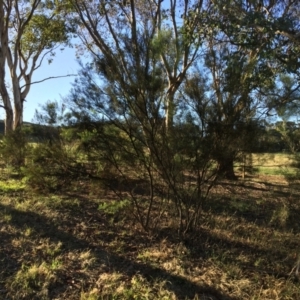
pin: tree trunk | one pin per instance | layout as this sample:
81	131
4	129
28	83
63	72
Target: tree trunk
18	102
18	118
226	169
9	120
9	113
170	111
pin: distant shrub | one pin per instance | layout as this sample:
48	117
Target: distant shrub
13	149
52	166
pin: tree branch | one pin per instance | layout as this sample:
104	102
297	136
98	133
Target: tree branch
52	77
42	58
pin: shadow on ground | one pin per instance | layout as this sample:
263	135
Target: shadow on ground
125	264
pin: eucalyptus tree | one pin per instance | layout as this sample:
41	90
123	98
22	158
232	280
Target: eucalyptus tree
30	31
285	103
184	25
175	32
249	44
229	108
284	99
271	26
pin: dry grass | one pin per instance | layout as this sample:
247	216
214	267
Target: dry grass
260	164
64	247
272	159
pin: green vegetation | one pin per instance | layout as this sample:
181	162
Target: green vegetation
162	174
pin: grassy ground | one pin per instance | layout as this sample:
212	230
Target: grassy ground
81	244
269	164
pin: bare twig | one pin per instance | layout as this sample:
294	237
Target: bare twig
296	267
52	77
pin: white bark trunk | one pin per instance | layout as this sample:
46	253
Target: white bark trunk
21	65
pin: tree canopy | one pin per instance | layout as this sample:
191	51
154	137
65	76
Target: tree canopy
29	33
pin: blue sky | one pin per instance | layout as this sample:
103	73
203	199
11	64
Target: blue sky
63	63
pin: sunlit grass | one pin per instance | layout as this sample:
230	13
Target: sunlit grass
35	280
272	159
275	170
11	185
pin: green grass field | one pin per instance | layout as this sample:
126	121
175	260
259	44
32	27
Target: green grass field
82	243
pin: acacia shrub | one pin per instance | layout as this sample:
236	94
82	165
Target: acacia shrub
14	148
52	166
166	175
